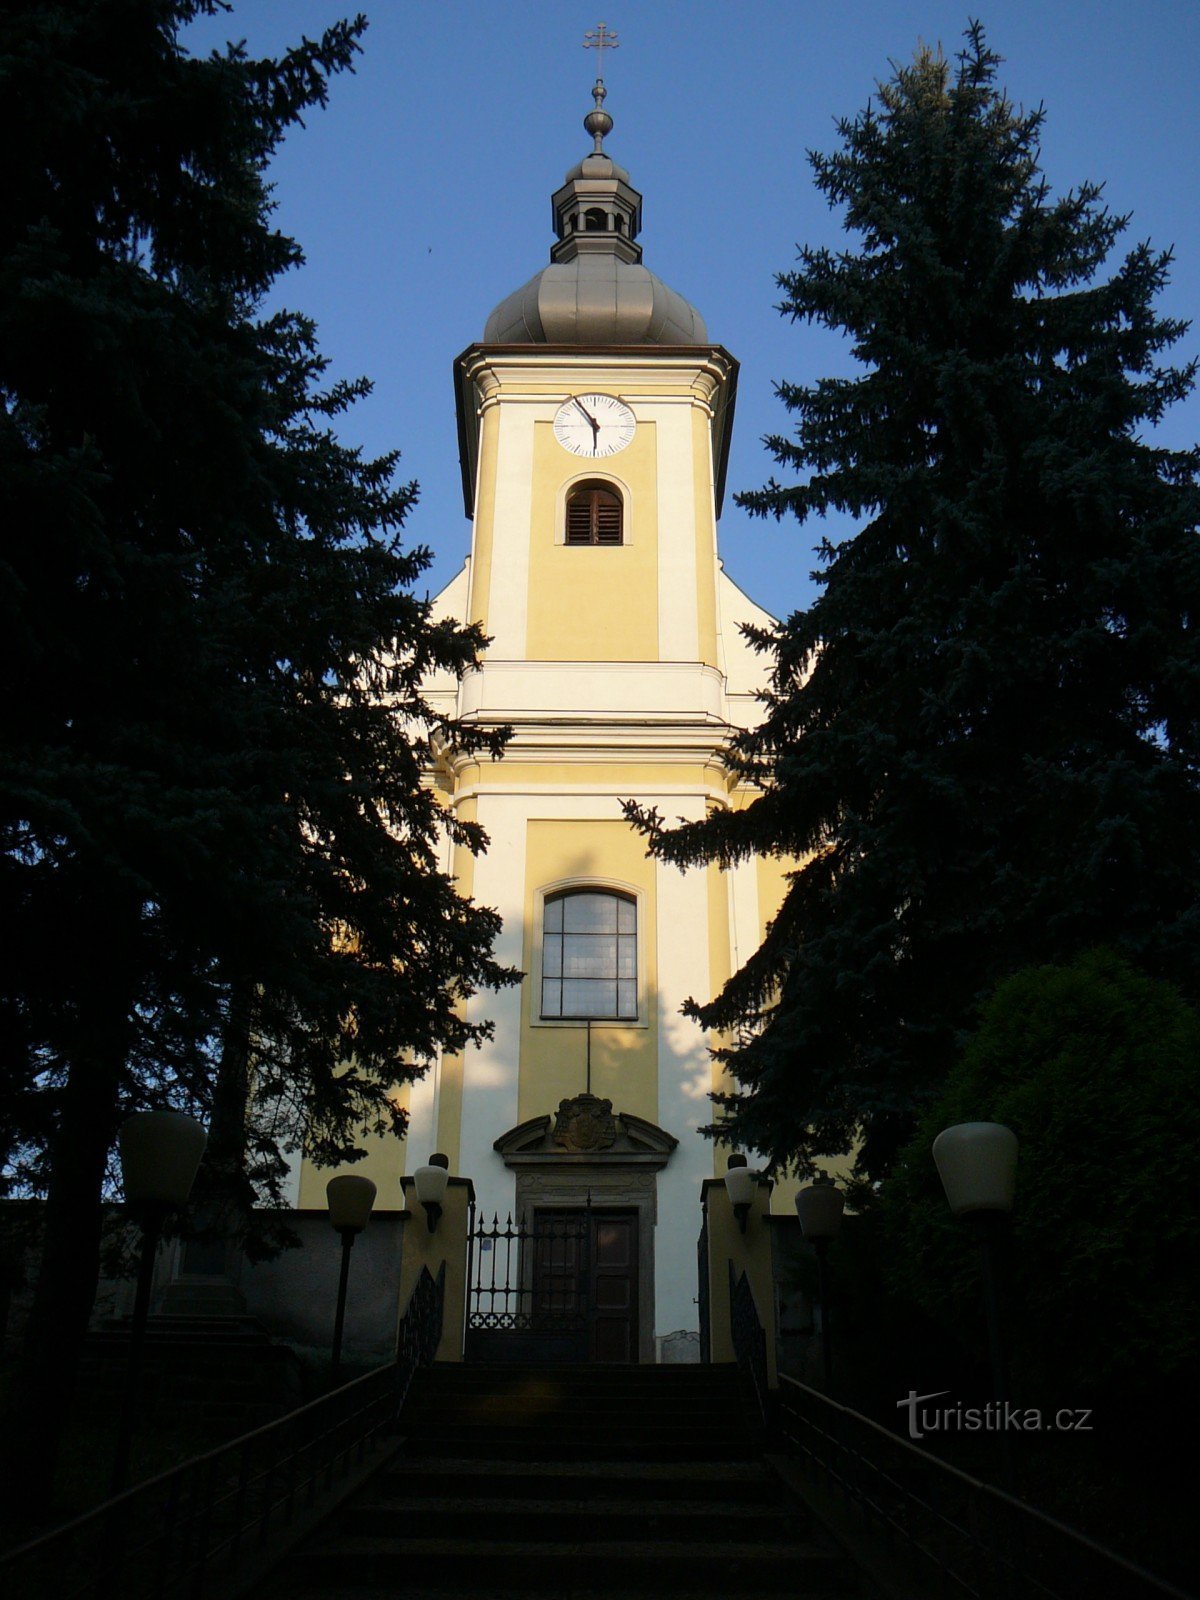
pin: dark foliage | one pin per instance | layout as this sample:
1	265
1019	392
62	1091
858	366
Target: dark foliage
1093	1066
980	743
221	864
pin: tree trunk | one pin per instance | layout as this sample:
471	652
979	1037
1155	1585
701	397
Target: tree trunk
69	1270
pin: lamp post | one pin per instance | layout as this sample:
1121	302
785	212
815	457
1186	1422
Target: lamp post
430	1183
350	1198
977	1163
820	1208
739	1186
160	1155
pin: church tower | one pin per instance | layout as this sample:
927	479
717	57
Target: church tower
594	419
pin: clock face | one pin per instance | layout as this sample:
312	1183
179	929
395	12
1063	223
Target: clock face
594	425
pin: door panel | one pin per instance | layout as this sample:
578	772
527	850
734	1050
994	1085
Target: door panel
600	1276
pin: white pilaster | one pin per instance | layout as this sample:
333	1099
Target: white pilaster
678	625
684	1081
490	1073
508	588
745	928
423	1096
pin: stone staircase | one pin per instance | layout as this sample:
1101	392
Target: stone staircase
570	1482
222	1372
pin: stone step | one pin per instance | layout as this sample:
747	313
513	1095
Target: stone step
600	1520
429	1423
579	1387
188	1321
297	1589
642	1566
703	1410
507	1445
478	1375
690	1481
181	1339
837	1587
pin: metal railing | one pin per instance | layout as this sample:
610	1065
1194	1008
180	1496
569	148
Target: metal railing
195	1530
950	1533
749	1339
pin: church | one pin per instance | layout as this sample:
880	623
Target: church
594	422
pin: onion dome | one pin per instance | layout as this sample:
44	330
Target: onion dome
595	290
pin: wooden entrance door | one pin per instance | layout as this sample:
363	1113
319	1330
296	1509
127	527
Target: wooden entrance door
612	1287
604	1276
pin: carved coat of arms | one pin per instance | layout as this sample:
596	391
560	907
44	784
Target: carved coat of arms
585	1123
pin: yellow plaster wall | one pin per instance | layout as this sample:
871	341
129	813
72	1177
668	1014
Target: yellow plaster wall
383	1164
772	886
590	603
624	1058
450	1088
720	967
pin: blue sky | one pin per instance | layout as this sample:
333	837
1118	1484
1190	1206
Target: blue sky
421	193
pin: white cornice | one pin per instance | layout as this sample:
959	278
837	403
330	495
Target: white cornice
485	373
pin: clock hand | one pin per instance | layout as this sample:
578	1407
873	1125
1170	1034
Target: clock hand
588	415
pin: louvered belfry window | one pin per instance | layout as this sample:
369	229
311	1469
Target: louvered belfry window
594	513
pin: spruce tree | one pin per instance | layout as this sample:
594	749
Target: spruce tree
222	853
979	747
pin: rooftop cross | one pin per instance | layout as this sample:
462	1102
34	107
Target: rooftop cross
598	122
600	39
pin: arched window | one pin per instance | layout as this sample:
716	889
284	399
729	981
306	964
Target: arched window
589	955
595	221
594	514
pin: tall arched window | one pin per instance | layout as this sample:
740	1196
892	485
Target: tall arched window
594	515
589	955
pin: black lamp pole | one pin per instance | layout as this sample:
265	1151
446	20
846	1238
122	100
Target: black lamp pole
160	1154
819	1207
977	1163
350	1200
151	1220
821	1246
988	1227
348	1236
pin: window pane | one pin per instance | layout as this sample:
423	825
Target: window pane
627	997
590	913
552	956
551	1000
582	998
626	916
590	955
554	916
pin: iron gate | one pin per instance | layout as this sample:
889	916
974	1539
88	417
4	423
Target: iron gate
528	1299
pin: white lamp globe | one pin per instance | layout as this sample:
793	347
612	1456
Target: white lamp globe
350	1198
740	1182
160	1156
819	1207
977	1163
431	1180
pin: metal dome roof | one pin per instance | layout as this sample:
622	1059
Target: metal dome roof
595	290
